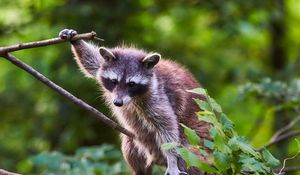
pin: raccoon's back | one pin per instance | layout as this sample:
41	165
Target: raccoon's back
176	80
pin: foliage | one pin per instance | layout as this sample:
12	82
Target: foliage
96	160
100	160
232	154
281	94
223	43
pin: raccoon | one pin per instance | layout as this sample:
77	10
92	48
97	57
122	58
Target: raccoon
148	95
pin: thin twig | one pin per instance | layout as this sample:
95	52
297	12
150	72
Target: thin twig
66	94
289	169
281	138
285	160
47	42
284	129
277	170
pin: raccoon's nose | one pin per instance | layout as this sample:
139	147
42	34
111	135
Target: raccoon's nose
118	102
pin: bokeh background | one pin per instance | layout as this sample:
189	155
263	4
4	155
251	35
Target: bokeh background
225	44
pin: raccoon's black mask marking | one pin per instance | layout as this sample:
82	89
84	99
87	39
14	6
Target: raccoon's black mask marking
136	89
108	83
127	64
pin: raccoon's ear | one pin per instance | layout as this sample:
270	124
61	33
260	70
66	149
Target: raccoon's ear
106	54
151	60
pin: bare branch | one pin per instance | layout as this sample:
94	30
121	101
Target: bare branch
47	42
280	135
65	93
281	138
284	129
4	172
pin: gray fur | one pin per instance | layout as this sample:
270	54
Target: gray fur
154	112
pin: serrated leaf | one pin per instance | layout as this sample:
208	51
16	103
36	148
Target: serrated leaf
203	105
226	122
199	91
213	132
209	144
192	160
250	163
170	145
192	136
269	158
222	161
246	159
221	145
245	147
207	118
216	107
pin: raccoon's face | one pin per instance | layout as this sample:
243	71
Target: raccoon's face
126	73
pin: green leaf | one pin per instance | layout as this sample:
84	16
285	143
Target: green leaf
222	161
221	145
213	132
203	105
269	158
209	144
246	159
192	136
226	122
192	160
208	118
250	163
199	91
216	107
52	160
170	145
245	147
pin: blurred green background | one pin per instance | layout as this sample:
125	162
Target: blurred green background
225	44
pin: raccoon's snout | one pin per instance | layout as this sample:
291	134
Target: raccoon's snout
118	102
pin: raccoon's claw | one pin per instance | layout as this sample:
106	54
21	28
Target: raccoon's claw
67	34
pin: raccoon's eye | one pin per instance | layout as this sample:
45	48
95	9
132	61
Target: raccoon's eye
114	81
131	84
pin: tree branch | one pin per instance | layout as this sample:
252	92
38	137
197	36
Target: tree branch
284	129
4	52
281	138
4	172
282	133
12	48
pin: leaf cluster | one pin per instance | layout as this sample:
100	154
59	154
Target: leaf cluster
284	95
231	153
98	160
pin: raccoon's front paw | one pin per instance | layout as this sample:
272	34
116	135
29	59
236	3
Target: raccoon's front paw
67	34
175	171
